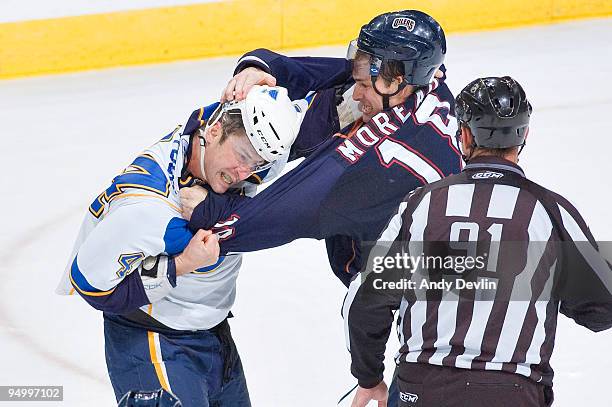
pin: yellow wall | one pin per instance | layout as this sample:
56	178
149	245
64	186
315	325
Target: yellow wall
235	26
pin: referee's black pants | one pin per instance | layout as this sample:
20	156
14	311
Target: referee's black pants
423	385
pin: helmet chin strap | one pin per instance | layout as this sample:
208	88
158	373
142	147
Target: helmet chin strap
202	148
387	96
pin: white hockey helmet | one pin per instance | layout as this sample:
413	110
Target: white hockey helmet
271	120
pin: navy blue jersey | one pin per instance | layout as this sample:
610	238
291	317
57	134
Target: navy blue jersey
346	190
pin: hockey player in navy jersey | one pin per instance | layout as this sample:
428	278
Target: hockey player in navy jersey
166	295
354	177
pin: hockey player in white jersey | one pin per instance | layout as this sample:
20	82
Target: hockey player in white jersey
165	317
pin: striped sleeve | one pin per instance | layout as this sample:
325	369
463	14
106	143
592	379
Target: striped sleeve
586	289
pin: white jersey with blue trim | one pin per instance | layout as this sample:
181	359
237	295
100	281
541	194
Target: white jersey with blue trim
139	216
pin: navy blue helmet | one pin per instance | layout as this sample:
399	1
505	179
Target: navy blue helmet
496	110
157	398
410	37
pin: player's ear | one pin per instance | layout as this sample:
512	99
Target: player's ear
214	133
395	83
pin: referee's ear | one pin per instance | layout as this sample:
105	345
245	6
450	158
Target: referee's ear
467	140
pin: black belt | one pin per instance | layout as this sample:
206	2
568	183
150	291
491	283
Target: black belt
144	320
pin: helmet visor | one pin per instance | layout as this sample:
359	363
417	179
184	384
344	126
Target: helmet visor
261	167
370	66
351	52
237	108
246	156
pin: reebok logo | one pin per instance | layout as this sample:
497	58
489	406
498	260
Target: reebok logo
487	175
409	397
405	22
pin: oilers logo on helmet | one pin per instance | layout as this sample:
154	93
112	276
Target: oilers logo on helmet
407	23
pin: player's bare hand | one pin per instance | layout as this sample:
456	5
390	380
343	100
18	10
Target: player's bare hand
364	396
202	251
439	74
242	82
190	198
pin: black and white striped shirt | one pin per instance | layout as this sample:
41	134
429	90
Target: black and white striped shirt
536	252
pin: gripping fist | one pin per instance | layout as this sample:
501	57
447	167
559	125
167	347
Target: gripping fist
202	251
190	198
239	85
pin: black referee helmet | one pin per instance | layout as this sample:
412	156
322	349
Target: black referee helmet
496	110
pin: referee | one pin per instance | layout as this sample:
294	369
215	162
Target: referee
478	264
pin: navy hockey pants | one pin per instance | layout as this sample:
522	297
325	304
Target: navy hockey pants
201	368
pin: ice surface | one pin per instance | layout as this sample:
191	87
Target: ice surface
65	137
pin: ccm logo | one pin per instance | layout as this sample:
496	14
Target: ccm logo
487	175
409	397
263	138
